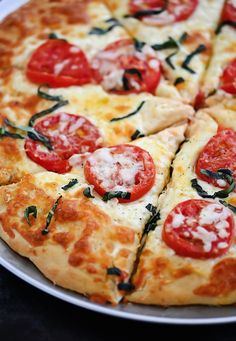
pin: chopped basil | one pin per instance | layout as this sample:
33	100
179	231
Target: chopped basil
130	114
169	44
213	92
225	23
185	65
125	79
125	286
138	45
70	184
146	12
5	133
87	193
183	37
152	221
114	271
231	207
116	194
136	135
101	31
32	133
46	96
50	215
47	111
168	60
30	210
53	35
221	174
179	80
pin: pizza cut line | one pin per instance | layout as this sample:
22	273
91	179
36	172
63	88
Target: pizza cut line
94	107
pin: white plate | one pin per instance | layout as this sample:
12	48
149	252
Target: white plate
25	270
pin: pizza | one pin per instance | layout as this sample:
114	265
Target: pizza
117	147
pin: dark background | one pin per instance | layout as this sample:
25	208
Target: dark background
26	313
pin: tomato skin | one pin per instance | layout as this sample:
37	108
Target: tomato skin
228	78
229	12
69	135
143	180
176	11
219	152
182	238
58	64
128	59
199	100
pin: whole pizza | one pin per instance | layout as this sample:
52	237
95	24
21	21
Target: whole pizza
118	147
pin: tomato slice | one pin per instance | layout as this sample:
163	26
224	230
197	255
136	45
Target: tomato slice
220	152
58	64
176	10
229	12
199	229
121	69
228	78
69	135
124	168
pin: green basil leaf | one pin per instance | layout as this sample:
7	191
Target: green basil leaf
146	12
87	193
47	111
231	207
50	215
169	61
136	135
5	133
46	96
185	65
221	174
179	80
101	31
53	35
70	184
116	194
169	44
152	221
114	271
130	114
30	210
138	45
225	23
125	79
199	189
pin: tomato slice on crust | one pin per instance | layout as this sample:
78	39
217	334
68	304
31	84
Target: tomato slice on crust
219	152
229	12
68	135
120	68
174	10
58	64
124	168
199	229
228	78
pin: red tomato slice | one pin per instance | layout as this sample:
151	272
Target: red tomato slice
177	10
229	12
199	229
69	135
124	168
58	64
228	78
120	60
220	152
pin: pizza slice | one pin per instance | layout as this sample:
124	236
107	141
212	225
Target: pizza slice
180	32
190	257
219	80
82	230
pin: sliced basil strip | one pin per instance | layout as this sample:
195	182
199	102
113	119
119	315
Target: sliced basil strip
53	35
183	37
32	133
46	96
168	60
125	79
125	286
231	207
50	215
225	23
152	221
114	271
136	135
169	44
102	31
221	174
116	194
138	45
179	80
87	193
47	111
30	210
199	189
5	133
185	65
213	92
130	114
146	12
70	184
